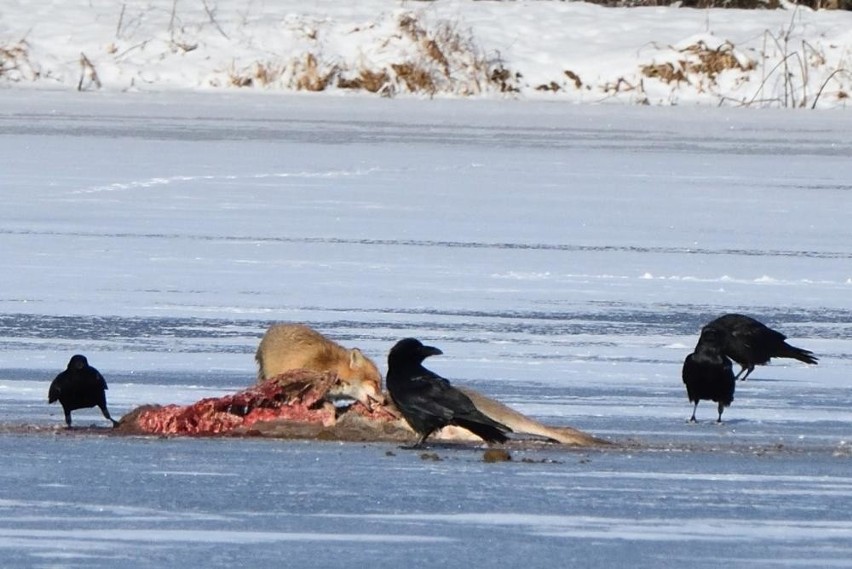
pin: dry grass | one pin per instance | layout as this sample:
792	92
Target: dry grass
309	76
730	4
428	44
430	69
738	4
15	63
504	79
88	75
256	75
711	62
304	73
787	67
665	72
437	57
442	60
571	80
425	72
417	79
698	62
552	86
372	81
575	78
622	85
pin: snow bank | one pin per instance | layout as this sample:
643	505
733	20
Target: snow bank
550	50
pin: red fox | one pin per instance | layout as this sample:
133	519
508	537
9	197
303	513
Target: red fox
520	423
296	346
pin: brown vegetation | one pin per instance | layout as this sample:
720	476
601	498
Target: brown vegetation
256	75
309	76
372	81
729	4
504	79
88	75
699	60
444	60
15	64
574	77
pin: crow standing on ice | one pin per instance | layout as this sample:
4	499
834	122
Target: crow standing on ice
750	343
708	374
78	387
428	401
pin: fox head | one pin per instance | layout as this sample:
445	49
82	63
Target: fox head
360	380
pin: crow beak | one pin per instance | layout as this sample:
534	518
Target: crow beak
431	351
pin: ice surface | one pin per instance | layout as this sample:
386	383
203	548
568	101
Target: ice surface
563	259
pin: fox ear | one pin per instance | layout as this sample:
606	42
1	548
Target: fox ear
356	358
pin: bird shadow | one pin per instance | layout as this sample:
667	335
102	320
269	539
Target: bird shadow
472	445
88	428
713	422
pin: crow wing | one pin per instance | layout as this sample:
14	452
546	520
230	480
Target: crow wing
55	389
432	395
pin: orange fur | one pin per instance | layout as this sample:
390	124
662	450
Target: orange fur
296	346
520	423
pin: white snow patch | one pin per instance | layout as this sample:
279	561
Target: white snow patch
544	50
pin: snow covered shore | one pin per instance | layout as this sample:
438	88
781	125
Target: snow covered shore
566	51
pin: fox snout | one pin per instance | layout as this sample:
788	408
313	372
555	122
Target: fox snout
370	396
368	393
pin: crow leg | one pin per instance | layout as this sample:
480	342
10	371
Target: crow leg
420	442
68	418
750	369
694	409
742	369
105	411
721	408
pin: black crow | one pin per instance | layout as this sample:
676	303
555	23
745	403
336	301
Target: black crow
78	387
750	343
428	401
708	374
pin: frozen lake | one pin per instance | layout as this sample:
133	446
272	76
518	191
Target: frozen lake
563	258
